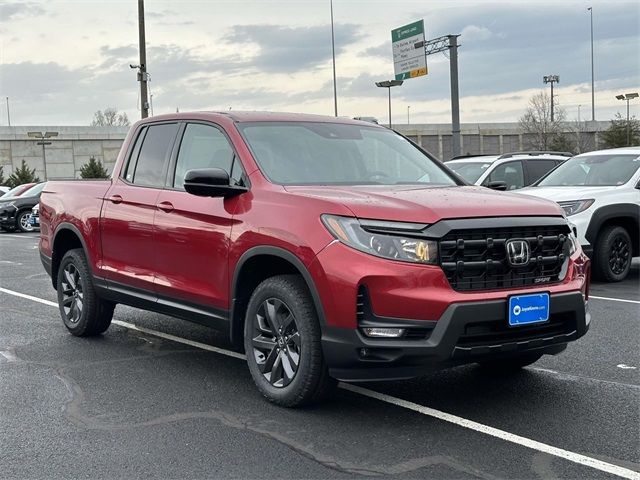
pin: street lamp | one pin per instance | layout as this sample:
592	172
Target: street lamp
42	136
388	84
408	107
627	97
593	91
551	79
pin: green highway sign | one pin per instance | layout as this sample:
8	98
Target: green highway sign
409	56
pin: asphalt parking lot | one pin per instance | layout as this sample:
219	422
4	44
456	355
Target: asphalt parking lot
159	401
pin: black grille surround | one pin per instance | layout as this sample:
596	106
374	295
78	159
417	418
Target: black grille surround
475	258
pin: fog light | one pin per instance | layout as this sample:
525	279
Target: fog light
383	332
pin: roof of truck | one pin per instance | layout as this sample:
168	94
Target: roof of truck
258	116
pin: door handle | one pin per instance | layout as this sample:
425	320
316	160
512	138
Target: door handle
115	199
165	206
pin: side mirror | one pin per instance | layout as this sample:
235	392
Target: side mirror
497	185
210	182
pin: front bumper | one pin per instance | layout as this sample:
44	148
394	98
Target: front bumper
8	217
466	333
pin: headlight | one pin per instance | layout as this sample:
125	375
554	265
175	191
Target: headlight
576	206
383	239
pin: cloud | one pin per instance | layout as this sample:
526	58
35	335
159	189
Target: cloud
290	49
474	33
381	51
14	11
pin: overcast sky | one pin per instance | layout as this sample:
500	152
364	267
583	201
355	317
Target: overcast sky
60	61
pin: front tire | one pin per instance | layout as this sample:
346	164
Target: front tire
22	222
282	343
82	311
613	254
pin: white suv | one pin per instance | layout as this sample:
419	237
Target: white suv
600	193
509	171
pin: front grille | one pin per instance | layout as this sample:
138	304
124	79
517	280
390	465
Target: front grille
498	332
476	259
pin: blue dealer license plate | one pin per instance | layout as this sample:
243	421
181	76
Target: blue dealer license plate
528	309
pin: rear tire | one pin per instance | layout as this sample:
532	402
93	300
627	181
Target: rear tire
510	364
82	311
282	343
612	256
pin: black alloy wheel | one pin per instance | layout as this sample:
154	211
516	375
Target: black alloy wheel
619	254
72	295
282	340
83	312
612	254
276	342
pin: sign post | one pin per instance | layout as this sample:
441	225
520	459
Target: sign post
409	54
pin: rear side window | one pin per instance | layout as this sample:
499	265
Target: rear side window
202	146
538	168
150	167
511	173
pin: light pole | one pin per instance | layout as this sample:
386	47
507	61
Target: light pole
8	114
42	136
627	97
408	107
143	76
579	112
333	56
551	79
388	84
593	94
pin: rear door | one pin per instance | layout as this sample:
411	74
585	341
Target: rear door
130	204
191	232
537	168
512	173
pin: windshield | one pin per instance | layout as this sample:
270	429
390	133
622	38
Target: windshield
35	190
593	170
11	192
470	171
309	153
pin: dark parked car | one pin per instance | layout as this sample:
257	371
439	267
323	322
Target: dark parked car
16	211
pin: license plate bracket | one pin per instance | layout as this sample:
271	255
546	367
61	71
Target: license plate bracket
528	309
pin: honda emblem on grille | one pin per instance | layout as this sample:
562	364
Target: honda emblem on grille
518	252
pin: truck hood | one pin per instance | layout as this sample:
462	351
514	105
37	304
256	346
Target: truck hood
428	204
562	194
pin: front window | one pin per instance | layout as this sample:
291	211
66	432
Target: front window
470	171
593	170
310	153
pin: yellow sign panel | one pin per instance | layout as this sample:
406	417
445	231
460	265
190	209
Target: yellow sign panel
418	72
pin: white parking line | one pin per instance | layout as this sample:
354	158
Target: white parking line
447	417
624	300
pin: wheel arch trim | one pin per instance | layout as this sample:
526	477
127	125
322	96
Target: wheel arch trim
627	211
284	255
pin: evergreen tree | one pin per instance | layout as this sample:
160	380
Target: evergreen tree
2	179
93	169
616	134
22	175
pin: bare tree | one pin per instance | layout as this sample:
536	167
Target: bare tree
584	138
110	117
540	132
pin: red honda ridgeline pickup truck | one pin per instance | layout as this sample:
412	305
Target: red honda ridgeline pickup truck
327	249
